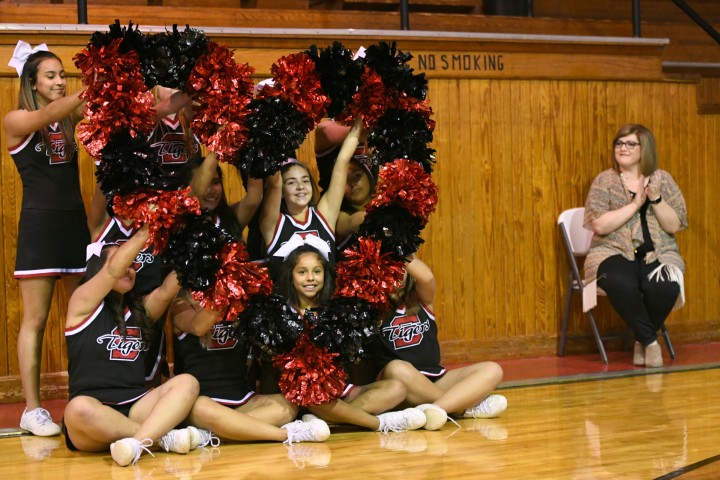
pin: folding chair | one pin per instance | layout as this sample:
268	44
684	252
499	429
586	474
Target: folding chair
577	244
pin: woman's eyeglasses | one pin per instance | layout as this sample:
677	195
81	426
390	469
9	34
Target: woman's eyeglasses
629	145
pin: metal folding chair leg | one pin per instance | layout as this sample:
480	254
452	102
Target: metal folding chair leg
668	343
598	340
563	330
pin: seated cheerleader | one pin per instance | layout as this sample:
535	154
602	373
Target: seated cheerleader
106	332
227	405
306	281
408	350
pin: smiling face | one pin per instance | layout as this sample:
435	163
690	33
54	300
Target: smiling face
50	81
214	193
357	188
308	279
297	189
628	157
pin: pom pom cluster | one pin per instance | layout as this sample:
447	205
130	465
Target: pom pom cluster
257	134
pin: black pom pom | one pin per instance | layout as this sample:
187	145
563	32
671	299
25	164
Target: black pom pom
132	39
193	251
128	164
392	66
402	134
170	57
346	326
396	228
267	327
276	131
339	74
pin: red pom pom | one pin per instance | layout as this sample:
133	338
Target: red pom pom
420	106
116	94
162	210
371	101
368	274
297	82
221	89
309	375
236	282
405	183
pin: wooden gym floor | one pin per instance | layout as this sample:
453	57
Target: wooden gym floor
568	418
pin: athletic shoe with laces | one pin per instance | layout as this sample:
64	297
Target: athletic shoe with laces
38	422
436	416
491	407
408	419
200	437
314	430
177	441
127	451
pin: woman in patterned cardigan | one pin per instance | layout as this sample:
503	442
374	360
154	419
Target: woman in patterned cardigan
635	210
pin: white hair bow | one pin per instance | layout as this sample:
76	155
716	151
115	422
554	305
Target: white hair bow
95	249
22	51
299	240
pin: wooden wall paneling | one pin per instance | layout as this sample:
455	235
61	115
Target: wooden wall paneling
482	162
11	198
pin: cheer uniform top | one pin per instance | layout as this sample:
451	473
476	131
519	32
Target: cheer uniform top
149	274
220	368
52	232
413	338
287	226
101	363
168	140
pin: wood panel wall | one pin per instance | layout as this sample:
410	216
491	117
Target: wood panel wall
512	153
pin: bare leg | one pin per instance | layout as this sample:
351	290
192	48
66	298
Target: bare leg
340	412
467	386
379	397
456	391
92	426
272	409
36	297
165	407
232	424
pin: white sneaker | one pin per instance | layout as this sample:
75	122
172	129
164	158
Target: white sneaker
177	441
491	407
408	419
127	451
436	416
315	430
200	437
38	422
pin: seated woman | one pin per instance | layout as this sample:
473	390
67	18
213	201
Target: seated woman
107	331
408	350
635	210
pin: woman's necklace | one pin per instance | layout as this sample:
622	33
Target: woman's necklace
625	184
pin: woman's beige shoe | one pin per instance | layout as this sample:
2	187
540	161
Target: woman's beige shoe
653	356
639	355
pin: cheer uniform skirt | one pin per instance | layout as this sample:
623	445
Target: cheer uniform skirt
51	243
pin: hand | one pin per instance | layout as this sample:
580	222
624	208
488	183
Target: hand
652	190
641	194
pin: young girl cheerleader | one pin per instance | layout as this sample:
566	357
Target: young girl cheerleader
409	351
306	281
52	231
106	332
289	207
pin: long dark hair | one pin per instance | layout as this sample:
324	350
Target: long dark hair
28	100
116	302
284	279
